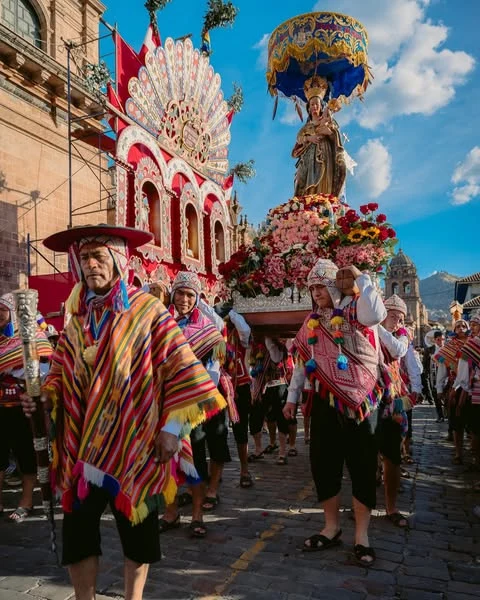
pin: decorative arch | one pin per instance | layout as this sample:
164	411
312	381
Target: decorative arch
395	288
138	269
153	210
129	137
191	229
407	287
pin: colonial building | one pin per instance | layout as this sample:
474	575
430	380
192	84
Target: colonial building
467	292
169	149
402	279
34	150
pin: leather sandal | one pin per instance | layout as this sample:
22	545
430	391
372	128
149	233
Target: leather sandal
197	529
361	554
320	542
164	525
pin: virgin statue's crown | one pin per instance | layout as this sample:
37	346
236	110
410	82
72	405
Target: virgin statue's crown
315	86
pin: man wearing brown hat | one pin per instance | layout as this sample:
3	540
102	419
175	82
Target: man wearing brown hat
125	389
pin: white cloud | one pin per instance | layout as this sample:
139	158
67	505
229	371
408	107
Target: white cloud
374	171
413	72
467	175
262	46
290	116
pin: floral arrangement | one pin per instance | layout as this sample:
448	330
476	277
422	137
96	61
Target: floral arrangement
365	240
299	232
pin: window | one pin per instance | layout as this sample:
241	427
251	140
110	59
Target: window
20	16
192	249
151	211
219	243
394	288
406	287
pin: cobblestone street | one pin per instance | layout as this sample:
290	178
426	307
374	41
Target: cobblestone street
252	550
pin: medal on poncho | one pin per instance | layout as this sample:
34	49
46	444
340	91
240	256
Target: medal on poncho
90	354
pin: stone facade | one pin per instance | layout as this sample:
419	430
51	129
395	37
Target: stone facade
402	279
34	183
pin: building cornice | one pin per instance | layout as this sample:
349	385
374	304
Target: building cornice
40	76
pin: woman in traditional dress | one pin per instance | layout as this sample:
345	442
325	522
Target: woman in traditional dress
321	160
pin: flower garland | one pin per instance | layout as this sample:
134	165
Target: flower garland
336	322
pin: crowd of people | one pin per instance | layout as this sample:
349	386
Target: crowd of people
141	396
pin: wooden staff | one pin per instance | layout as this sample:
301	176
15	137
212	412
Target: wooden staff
26	302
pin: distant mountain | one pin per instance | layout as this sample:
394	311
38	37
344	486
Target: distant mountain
437	291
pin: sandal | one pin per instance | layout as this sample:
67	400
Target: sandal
292	452
246	481
253	457
197	529
20	514
210	502
408	460
282	460
398	520
361	554
164	525
270	449
307	440
319	542
404	473
184	499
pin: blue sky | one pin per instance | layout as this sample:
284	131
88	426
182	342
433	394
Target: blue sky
416	137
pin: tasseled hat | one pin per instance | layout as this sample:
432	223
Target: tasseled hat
119	241
396	303
187	279
324	272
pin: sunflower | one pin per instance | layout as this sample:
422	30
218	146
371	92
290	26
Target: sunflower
371	232
356	235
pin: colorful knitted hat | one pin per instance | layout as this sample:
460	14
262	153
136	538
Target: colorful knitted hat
475	318
461	321
324	272
396	303
187	279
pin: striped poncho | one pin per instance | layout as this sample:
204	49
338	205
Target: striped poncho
108	415
11	359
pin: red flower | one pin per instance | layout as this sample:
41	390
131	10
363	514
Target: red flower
373	206
351	216
391	232
345	229
365	224
381	218
383	235
365	209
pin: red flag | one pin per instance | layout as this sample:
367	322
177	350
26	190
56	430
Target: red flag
228	182
152	40
127	66
230	116
115	102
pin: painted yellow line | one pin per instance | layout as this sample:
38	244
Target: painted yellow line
244	561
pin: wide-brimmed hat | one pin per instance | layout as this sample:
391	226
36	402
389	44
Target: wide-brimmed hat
61	241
